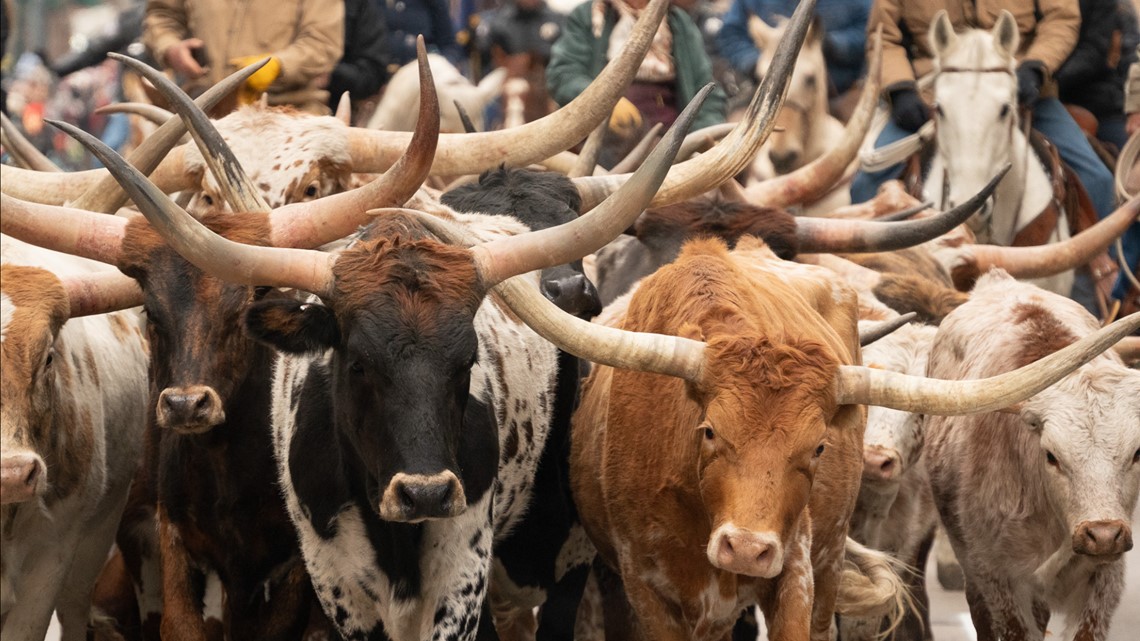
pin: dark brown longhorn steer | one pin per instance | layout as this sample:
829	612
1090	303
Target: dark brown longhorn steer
71	423
420	383
665	471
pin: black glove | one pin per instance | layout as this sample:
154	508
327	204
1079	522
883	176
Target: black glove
908	110
1029	79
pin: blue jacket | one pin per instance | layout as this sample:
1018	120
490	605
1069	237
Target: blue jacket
845	23
407	19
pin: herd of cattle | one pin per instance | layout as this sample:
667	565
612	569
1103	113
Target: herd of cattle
356	405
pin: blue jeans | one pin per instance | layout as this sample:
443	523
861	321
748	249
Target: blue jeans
1052	120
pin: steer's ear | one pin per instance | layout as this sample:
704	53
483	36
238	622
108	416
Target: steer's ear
291	326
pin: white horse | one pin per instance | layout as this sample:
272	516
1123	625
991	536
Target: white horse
979	131
809	130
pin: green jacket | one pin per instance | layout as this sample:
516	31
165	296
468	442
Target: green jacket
577	58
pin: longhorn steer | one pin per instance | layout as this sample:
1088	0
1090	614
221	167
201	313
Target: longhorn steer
1060	475
420	383
895	511
71	419
544	561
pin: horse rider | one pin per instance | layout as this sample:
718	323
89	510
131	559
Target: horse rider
1049	31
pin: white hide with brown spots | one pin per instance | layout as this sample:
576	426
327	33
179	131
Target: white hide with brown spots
76	400
1038	504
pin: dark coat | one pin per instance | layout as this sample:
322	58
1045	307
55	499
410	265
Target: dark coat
364	67
578	57
1092	77
407	19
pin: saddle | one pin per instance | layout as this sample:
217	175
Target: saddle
1069	198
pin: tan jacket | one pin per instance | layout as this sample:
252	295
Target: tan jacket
1049	30
307	36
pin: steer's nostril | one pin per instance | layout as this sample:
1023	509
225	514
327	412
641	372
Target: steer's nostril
887	466
32	475
551	289
406	499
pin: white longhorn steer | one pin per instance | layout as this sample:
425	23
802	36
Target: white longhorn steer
1037	499
72	408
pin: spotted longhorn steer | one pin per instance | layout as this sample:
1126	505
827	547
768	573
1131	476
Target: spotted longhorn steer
397	106
895	512
71	417
1060	476
545	559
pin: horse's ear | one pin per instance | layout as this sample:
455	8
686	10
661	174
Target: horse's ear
942	36
1006	35
761	33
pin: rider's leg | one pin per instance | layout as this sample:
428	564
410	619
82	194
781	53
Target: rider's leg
1112	129
1051	119
865	185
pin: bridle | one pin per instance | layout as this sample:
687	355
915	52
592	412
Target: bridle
985	220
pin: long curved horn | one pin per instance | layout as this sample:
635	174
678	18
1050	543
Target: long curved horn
657	353
236	187
874	332
502	258
587	160
826	235
640	151
858	385
691	178
1045	260
21	149
96	190
100	293
816	178
315	223
904	214
149	112
63	229
235	262
374	151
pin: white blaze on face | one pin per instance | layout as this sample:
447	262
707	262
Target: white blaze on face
7	311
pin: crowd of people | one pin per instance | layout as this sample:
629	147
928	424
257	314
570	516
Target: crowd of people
1074	54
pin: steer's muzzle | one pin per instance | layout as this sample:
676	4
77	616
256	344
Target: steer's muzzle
881	463
22	477
411	498
190	410
572	292
746	552
1102	538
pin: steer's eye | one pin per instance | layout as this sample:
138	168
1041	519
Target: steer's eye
311	191
1049	458
938	110
1005	109
208	199
356	367
709	433
818	451
48	360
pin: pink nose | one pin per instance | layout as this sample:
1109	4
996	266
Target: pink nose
1102	538
21	476
881	463
745	552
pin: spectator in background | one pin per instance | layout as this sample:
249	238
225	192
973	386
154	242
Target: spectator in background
674	69
128	29
1093	76
205	40
407	19
6	17
364	67
519	38
844	24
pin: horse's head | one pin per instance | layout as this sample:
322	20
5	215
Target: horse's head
807	92
975	103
